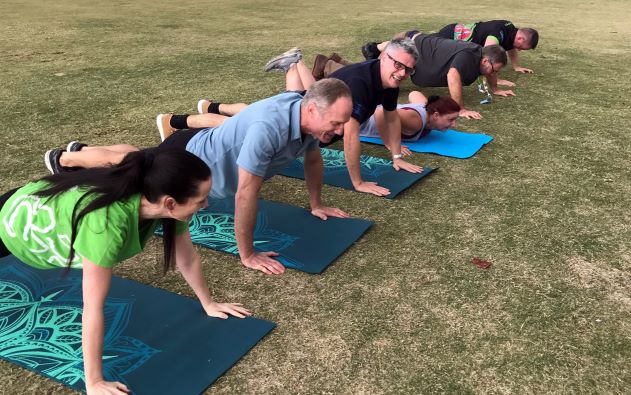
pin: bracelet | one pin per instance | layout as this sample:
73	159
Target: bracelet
397	156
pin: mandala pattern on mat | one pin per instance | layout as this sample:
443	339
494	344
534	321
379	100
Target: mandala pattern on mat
40	329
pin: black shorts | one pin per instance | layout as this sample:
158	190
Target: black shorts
179	139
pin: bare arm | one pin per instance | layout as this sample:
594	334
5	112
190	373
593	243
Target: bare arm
96	284
189	263
514	61
393	134
314	170
244	223
352	151
455	90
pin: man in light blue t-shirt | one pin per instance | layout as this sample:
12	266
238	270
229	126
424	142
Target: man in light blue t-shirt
250	147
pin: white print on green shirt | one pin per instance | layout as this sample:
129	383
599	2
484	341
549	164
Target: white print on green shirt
43	241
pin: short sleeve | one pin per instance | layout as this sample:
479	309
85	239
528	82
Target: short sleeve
390	98
468	65
361	99
180	227
259	147
101	235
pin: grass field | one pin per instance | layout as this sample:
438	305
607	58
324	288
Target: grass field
548	202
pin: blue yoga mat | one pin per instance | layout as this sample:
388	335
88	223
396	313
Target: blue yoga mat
156	342
450	143
303	241
372	169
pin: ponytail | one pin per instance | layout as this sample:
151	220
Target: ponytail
151	173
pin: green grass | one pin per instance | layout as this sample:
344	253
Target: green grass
403	311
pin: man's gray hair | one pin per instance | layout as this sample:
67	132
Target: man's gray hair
325	92
404	44
495	54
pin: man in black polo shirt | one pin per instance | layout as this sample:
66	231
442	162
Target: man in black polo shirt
373	83
453	64
497	32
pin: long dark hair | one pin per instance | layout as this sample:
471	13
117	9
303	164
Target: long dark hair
152	173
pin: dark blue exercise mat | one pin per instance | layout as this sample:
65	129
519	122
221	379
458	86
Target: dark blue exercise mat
372	169
303	241
450	143
156	342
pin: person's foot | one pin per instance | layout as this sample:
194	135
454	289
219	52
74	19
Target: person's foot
163	121
51	160
338	59
203	106
284	60
318	66
75	146
370	51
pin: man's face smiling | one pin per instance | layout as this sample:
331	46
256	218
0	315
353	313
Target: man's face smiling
331	121
396	65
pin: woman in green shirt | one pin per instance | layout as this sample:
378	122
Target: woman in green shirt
95	218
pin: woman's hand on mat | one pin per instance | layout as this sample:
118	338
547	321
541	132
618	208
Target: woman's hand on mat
372	187
469	114
400	164
323	212
505	83
522	70
107	388
262	261
505	93
223	310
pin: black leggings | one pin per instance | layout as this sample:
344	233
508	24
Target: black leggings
3	199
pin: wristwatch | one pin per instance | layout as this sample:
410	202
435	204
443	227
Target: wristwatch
397	156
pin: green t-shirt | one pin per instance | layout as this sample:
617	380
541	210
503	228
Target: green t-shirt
37	229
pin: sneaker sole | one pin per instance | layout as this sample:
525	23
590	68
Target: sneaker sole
47	161
159	124
200	106
70	144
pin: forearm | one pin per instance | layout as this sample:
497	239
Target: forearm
393	131
189	263
455	87
314	174
244	223
514	58
491	80
93	329
352	151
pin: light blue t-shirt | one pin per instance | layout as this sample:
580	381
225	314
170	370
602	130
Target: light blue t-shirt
369	127
262	139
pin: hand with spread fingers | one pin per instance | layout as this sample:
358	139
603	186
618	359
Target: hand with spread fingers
400	164
324	212
264	262
504	93
223	310
107	388
469	114
373	188
505	83
523	70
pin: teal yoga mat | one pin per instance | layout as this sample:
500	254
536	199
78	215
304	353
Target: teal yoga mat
303	241
450	143
372	169
156	342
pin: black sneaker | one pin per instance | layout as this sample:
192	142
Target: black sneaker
75	146
370	51
51	160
